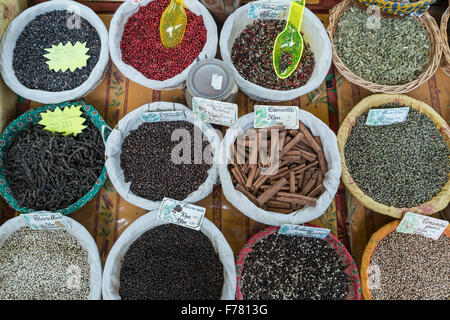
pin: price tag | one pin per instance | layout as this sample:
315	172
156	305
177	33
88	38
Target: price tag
65	121
43	220
162	116
419	224
181	213
272	116
212	111
67	57
380	117
268	10
303	231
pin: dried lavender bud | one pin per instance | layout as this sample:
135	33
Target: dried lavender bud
252	56
36	264
170	262
411	267
146	160
283	267
393	53
402	164
48	171
43	32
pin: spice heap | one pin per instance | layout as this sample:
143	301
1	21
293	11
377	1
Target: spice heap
411	267
170	262
252	56
142	48
277	169
36	265
49	171
151	160
394	53
283	267
45	31
402	164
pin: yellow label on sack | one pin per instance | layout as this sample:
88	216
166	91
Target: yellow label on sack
65	121
68	56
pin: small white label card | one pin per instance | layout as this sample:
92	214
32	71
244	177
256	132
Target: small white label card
268	10
212	111
163	116
181	213
380	117
303	231
216	81
419	224
272	116
44	220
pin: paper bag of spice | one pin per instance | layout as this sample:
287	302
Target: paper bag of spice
313	208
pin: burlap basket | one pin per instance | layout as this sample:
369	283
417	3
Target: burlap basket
433	31
370	248
437	203
445	62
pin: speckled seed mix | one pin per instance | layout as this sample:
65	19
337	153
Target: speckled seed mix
170	262
411	267
142	48
402	164
252	56
146	160
41	33
36	265
283	267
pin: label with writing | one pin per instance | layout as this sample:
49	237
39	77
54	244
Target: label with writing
181	213
268	10
380	117
212	111
272	116
419	224
303	231
43	220
67	56
66	121
162	116
216	81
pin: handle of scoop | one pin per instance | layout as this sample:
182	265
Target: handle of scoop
296	13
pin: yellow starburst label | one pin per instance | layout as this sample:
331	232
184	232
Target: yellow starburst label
65	121
68	56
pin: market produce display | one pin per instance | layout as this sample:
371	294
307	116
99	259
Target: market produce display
384	159
171	262
297	179
252	56
144	167
142	48
35	265
46	31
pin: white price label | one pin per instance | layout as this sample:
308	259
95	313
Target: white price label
419	224
162	116
212	111
303	231
181	213
44	220
381	117
273	116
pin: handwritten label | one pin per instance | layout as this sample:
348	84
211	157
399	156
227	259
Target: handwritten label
163	116
268	10
43	220
272	116
303	231
66	121
419	224
216	81
67	57
380	117
181	213
212	111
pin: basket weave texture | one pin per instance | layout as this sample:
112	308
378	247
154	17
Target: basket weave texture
445	62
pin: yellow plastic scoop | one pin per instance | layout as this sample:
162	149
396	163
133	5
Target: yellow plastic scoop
173	24
288	47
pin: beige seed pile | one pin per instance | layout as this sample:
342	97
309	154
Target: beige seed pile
43	265
412	267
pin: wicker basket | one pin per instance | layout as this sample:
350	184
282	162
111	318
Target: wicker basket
370	248
438	202
433	31
445	62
